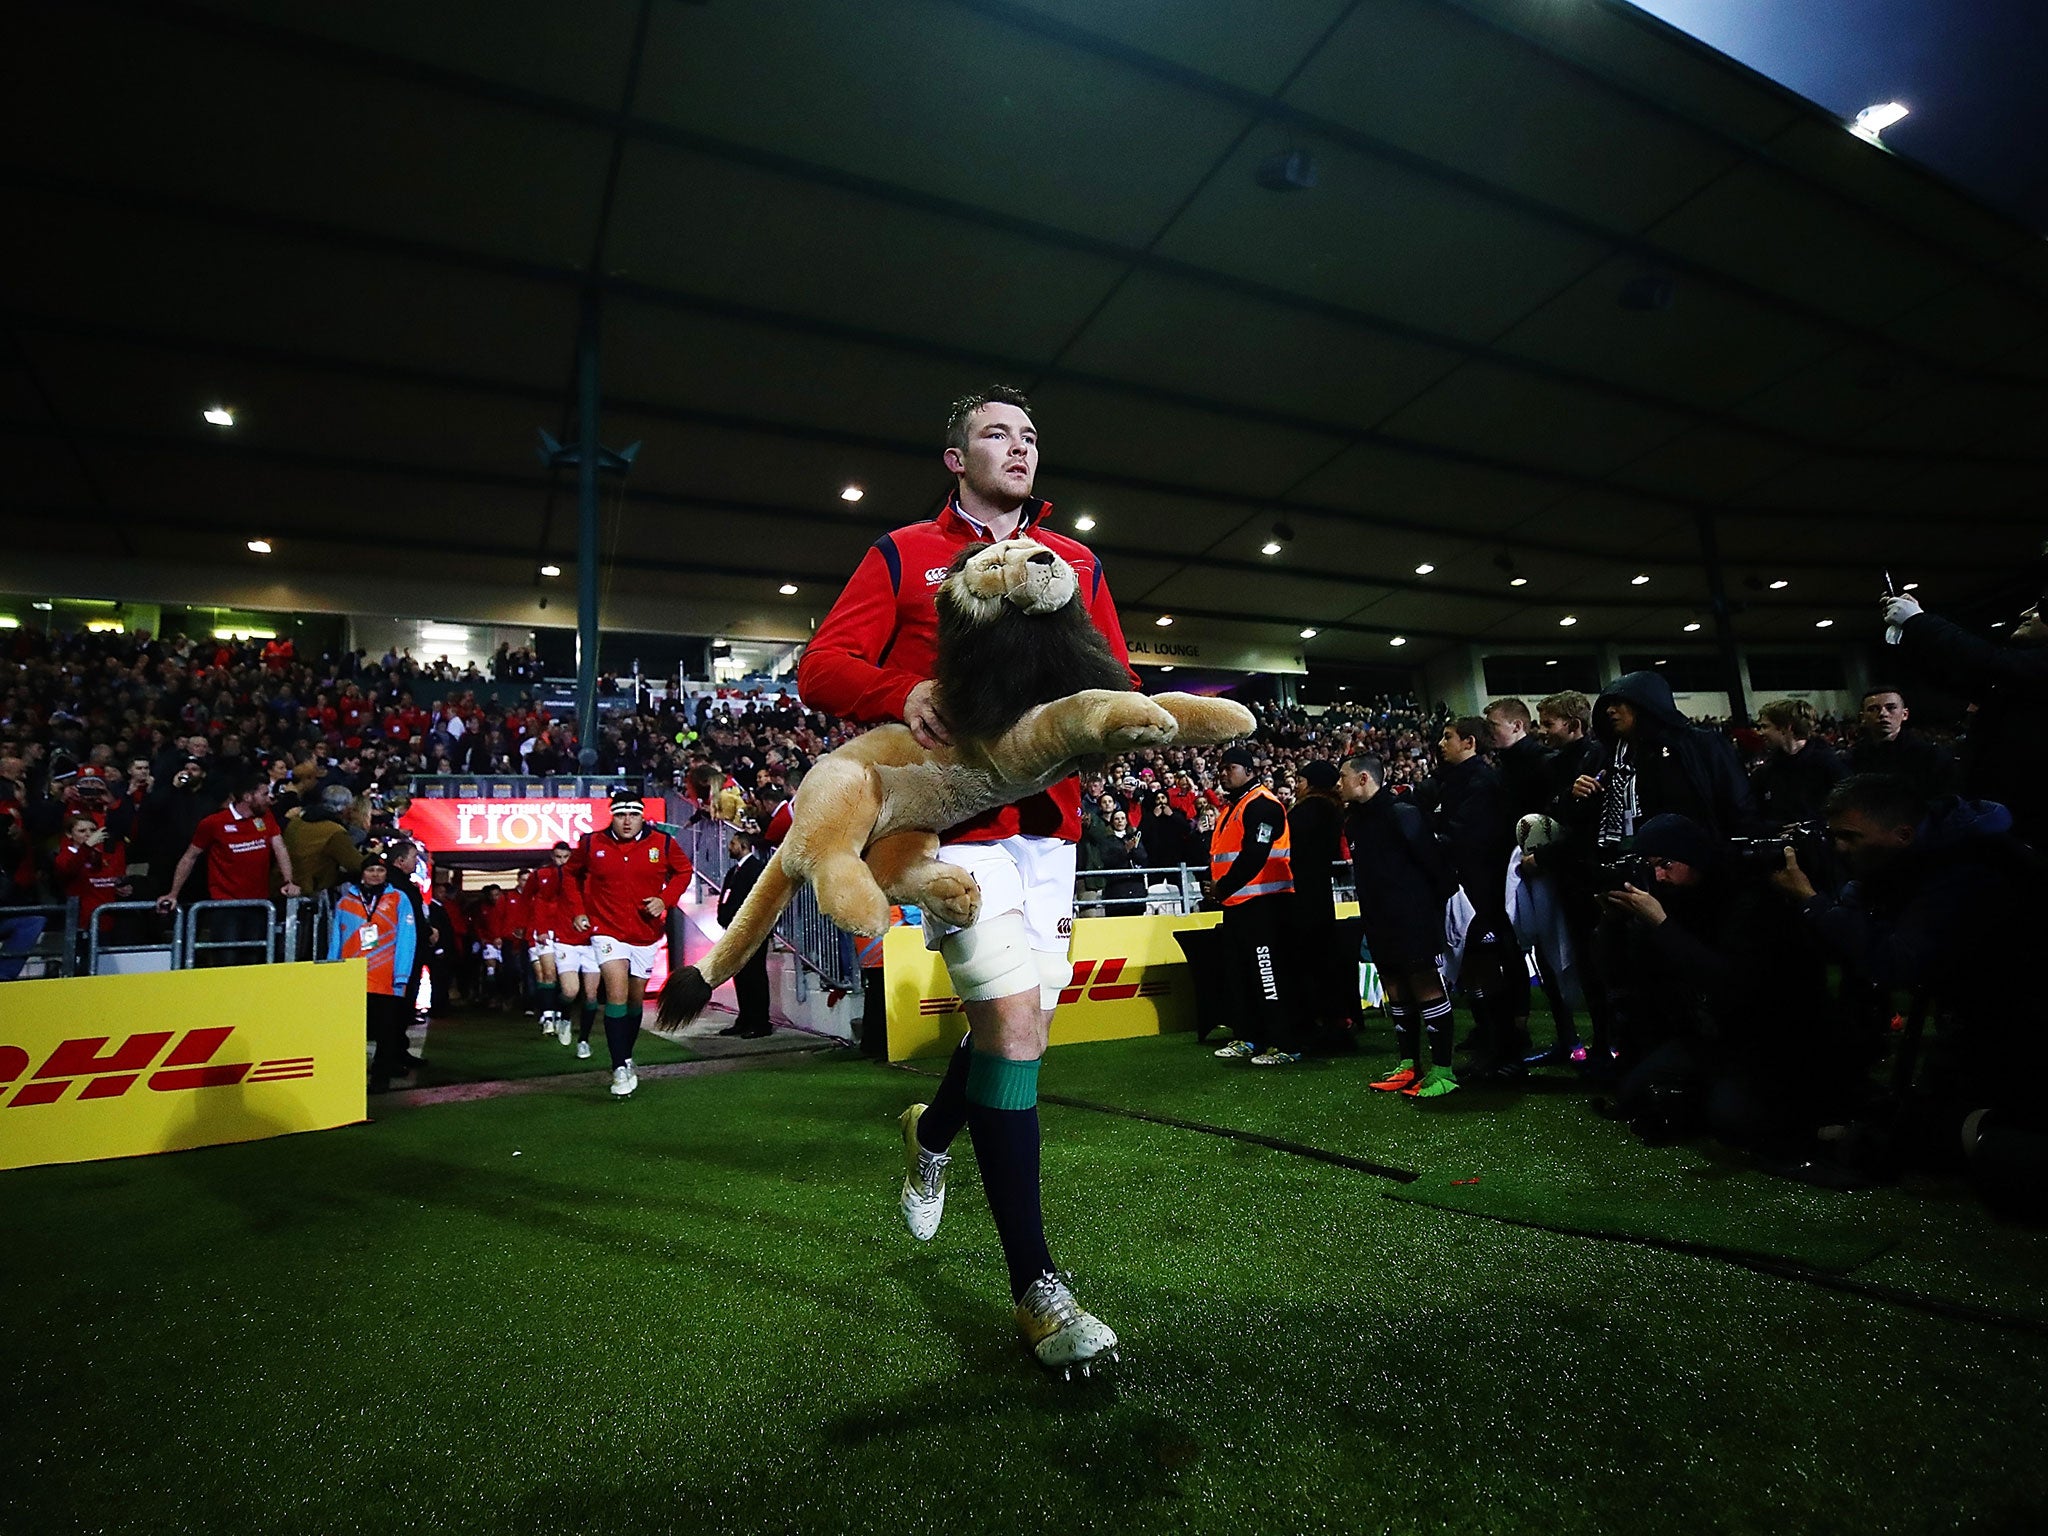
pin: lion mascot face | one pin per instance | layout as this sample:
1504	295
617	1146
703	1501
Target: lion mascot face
1014	632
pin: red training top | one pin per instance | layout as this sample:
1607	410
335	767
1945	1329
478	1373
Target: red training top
237	850
878	641
609	877
93	875
548	902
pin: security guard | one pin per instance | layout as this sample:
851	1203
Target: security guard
1251	879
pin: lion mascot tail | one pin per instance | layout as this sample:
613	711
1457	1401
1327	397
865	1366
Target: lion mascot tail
689	989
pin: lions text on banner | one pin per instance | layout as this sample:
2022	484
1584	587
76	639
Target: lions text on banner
113	1066
509	826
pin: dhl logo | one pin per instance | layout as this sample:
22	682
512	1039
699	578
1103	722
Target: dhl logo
1100	981
107	1074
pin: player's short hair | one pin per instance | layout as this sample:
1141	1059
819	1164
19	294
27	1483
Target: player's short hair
1794	715
1508	709
1884	798
1569	705
1474	729
1369	764
1878	688
996	394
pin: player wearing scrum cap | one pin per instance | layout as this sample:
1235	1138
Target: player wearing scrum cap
622	882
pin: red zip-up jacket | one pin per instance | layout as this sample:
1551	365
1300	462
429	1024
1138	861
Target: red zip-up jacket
608	878
548	902
877	644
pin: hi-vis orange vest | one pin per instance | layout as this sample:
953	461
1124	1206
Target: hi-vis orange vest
1278	875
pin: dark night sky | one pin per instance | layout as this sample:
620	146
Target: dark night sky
1975	73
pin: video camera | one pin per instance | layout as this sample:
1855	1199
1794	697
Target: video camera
1765	854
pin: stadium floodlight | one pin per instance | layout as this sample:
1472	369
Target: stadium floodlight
259	546
1567	621
1270	547
1424	569
787	589
218	416
1823	623
1084	522
1780	584
1639	581
1692	627
551	570
1308	634
1398	640
1551	663
852	493
1872	121
1518	581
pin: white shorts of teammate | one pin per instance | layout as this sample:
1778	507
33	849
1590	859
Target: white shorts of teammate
577	959
639	958
1025	928
492	954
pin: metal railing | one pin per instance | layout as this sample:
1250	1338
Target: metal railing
1170	889
191	945
52	951
98	951
522	786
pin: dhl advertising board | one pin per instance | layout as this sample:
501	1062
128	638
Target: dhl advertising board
1130	978
114	1066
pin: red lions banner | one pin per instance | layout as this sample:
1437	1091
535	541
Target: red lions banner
509	826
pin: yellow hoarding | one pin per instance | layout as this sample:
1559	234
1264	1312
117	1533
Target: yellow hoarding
113	1066
1129	979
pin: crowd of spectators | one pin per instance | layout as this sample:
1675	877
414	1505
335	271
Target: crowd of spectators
1733	986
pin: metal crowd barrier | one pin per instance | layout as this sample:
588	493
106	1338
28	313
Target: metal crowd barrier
517	786
817	942
54	951
1174	889
193	945
96	951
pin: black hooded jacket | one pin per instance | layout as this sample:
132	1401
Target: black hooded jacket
1681	768
2008	742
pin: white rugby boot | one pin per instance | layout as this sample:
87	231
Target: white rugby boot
1063	1336
624	1080
924	1179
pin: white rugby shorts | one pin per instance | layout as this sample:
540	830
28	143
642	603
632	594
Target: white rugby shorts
576	958
639	958
1030	875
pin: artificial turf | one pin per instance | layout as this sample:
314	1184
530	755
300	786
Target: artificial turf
482	1045
695	1310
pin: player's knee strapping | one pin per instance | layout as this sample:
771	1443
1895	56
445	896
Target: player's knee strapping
992	959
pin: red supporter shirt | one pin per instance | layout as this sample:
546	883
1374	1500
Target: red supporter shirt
609	877
93	875
877	644
237	850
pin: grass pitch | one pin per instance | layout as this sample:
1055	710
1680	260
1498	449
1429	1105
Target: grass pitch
696	1311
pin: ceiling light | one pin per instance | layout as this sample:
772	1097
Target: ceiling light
1550	663
104	627
551	570
1084	522
1780	584
1999	623
1823	623
1164	621
218	416
852	493
1308	634
1518	581
1663	660
1911	586
1424	569
9	621
1694	625
1639	581
1872	121
1270	547
1398	640
787	589
259	546
1166	669
41	607
1567	622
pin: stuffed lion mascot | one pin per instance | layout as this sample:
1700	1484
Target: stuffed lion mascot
1031	693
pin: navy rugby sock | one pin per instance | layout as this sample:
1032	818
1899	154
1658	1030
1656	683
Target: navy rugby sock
947	1112
1002	1120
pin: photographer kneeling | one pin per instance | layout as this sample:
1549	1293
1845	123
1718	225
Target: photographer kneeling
1726	991
1944	901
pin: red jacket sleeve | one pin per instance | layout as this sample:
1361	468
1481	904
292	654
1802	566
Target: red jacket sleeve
573	872
1102	609
842	670
677	886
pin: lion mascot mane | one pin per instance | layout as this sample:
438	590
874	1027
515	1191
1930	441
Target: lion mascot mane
1030	690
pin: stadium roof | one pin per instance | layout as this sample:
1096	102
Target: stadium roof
1566	281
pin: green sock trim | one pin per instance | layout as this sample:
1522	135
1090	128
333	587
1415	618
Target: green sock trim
996	1082
616	1010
